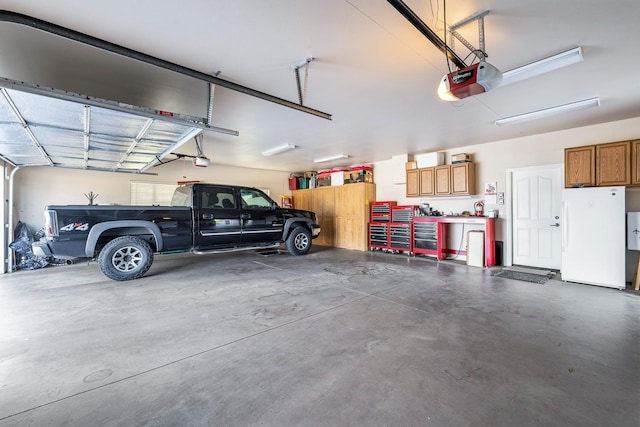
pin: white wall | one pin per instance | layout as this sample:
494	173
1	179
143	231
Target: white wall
38	187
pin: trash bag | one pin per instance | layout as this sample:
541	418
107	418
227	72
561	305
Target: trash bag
25	258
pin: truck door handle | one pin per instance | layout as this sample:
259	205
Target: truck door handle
207	216
245	216
555	225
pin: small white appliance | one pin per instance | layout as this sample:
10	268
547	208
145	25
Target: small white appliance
633	231
593	238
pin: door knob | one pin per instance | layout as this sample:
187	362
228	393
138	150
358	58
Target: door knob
555	225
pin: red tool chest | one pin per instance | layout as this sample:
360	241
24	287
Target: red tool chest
381	211
379	225
401	228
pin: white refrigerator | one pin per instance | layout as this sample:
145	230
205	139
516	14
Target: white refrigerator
593	236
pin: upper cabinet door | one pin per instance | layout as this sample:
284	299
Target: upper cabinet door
443	182
579	166
635	162
427	182
413	183
612	163
463	178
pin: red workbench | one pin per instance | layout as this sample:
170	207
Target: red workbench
443	222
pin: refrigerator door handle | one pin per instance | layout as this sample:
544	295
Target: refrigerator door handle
565	227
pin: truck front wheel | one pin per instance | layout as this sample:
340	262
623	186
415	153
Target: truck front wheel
299	241
125	258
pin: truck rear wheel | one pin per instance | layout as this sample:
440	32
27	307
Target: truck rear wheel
125	258
299	241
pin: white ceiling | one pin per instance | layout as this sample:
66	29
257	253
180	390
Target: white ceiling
374	72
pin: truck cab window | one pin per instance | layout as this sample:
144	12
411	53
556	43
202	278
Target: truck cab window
255	199
181	197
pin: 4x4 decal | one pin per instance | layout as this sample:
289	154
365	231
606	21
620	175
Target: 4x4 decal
76	226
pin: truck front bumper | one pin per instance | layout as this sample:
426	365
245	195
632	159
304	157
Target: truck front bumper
316	231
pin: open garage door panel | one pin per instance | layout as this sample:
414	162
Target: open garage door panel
51	130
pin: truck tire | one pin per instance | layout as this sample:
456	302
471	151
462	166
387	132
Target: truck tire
125	258
299	241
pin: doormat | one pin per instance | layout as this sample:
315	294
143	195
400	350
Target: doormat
522	276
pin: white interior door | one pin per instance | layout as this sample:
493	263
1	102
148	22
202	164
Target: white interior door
537	211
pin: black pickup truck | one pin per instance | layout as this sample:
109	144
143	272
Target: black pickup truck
202	218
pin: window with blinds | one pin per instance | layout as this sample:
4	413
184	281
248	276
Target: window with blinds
151	193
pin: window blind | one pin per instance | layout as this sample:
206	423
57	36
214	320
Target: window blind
151	193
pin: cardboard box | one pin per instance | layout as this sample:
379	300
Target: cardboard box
411	165
351	177
460	158
429	159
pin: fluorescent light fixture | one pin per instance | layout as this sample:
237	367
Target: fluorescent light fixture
330	158
279	149
534	115
545	65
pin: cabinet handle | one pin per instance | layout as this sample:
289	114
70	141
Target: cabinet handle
555	225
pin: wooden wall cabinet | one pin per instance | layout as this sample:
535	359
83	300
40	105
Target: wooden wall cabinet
614	163
343	213
444	180
413	182
613	166
579	166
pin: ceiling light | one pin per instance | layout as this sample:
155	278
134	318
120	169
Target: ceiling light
330	158
279	149
534	115
545	65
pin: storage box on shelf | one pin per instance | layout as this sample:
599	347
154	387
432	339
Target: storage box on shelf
294	183
323	179
303	183
337	178
429	159
354	176
460	158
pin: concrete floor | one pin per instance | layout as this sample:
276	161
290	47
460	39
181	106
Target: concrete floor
333	338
